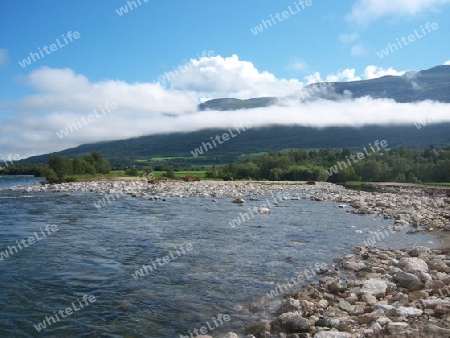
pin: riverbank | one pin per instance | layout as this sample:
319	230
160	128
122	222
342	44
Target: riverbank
371	293
406	205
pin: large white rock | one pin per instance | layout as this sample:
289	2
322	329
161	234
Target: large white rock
396	327
374	287
414	264
409	311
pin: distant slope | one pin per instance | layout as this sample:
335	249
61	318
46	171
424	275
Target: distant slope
235	104
272	138
432	84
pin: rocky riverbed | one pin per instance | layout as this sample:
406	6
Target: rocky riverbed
371	293
407	205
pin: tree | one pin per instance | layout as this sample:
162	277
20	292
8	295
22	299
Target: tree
61	165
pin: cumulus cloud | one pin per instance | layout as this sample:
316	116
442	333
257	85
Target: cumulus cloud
213	77
447	63
365	11
374	72
62	89
3	57
349	74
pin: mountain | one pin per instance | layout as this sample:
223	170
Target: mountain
272	138
236	104
432	84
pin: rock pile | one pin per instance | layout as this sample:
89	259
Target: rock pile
372	293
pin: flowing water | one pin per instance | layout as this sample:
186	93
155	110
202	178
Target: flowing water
95	252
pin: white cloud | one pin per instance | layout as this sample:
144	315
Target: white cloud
63	90
216	76
344	76
348	38
36	134
447	63
365	11
374	72
358	50
349	74
3	57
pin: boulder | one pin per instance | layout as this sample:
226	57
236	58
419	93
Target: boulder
408	281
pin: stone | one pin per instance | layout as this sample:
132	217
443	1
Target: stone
291	322
334	323
409	311
358	309
396	327
353	266
433	303
440	310
408	281
289	305
369	299
336	288
346	306
413	265
238	201
323	304
374	287
333	334
323	322
434	285
416	295
257	329
389	310
435	329
438	265
231	335
352	298
419	250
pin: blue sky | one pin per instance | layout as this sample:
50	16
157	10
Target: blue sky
123	59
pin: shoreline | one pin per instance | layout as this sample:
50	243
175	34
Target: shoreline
371	293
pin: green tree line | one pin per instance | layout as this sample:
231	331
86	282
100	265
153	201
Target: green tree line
399	165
